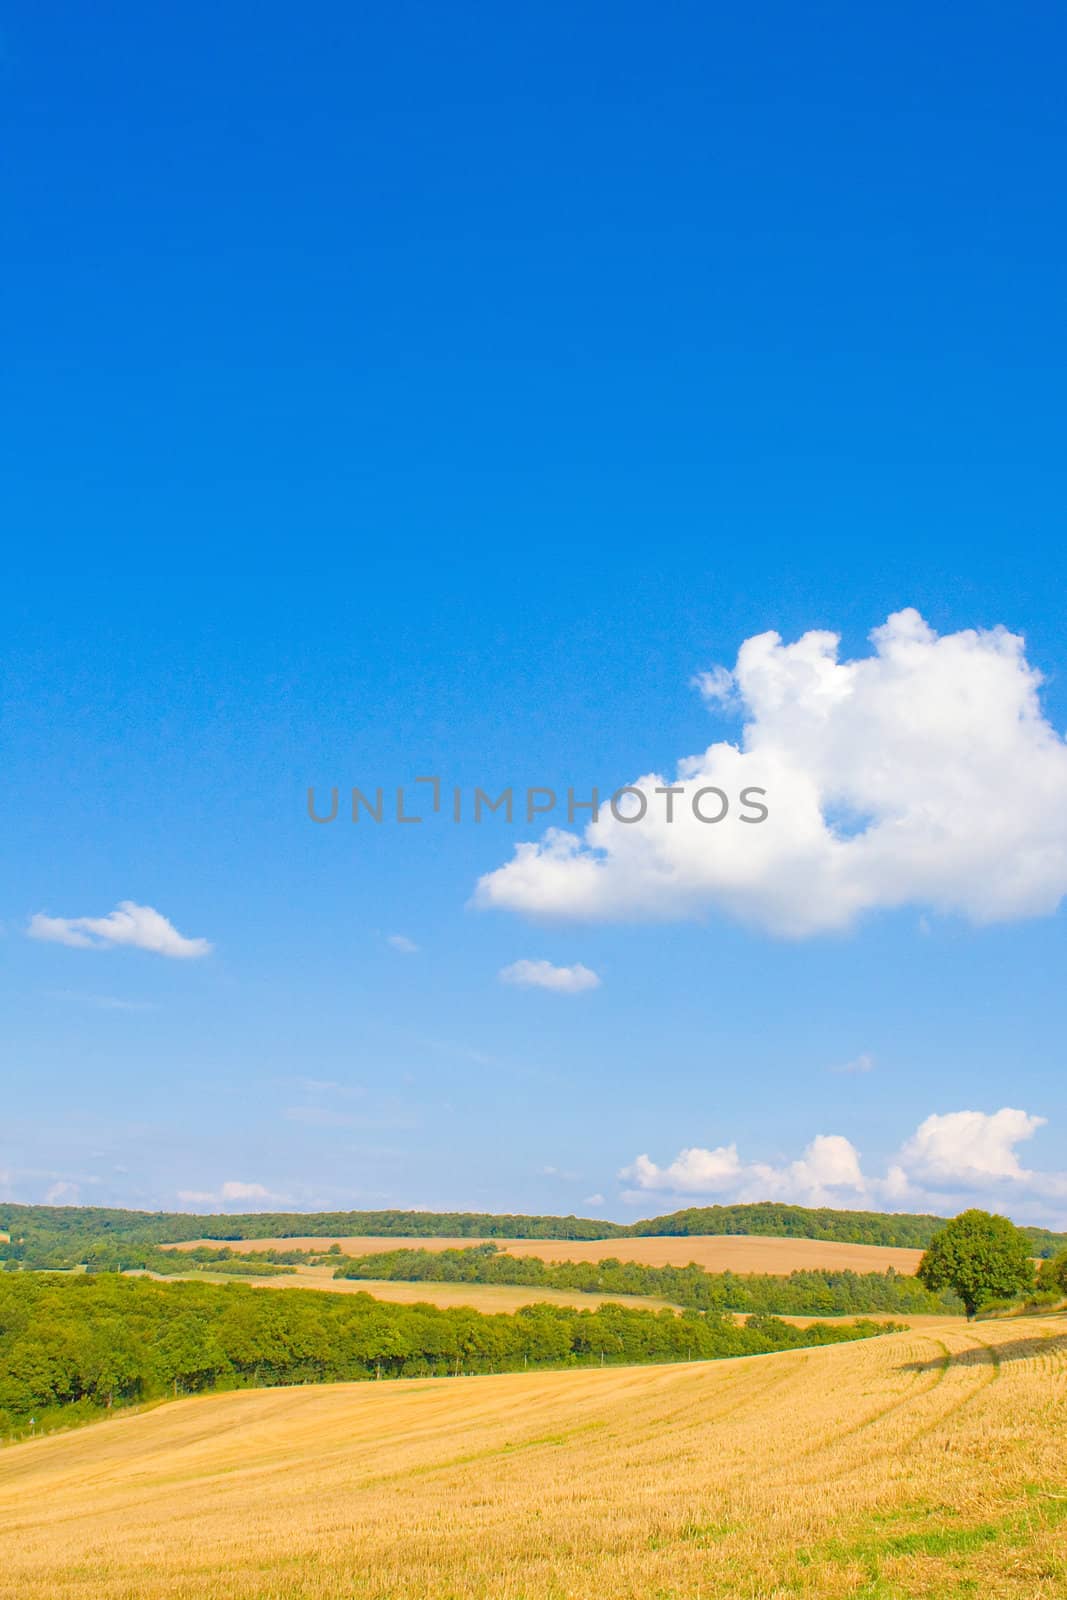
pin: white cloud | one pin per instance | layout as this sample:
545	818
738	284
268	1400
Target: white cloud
717	686
543	975
128	924
400	941
922	774
322	1117
232	1189
327	1086
949	1161
62	1194
100	1002
693	1171
859	1064
593	1200
828	1173
969	1147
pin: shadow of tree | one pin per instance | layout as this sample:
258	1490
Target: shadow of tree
984	1355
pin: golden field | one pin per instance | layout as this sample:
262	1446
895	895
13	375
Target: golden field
480	1296
929	1463
714	1252
495	1297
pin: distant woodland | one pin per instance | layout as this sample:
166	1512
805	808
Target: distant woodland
67	1236
816	1293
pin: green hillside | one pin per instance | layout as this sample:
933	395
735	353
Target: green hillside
64	1236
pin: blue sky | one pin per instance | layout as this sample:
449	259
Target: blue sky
418	392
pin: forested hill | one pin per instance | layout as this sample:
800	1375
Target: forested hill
901	1229
69	1231
57	1236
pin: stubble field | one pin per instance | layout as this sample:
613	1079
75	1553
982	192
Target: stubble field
926	1464
714	1252
485	1297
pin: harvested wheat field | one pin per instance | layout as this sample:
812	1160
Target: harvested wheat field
480	1296
351	1244
500	1297
725	1253
728	1252
921	1464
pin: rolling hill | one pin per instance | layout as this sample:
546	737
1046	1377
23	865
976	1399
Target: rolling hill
478	1296
715	1253
926	1463
63	1236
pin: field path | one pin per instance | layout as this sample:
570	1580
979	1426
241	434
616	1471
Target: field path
928	1463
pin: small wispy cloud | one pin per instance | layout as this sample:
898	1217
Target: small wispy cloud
100	1002
857	1066
401	942
140	927
327	1086
462	1052
235	1190
717	686
62	1194
232	1189
321	1117
543	975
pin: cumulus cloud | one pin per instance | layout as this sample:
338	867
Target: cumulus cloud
543	975
828	1173
923	774
967	1147
949	1160
129	924
401	942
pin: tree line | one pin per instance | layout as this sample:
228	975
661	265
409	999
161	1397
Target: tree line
814	1292
74	1345
54	1237
811	1292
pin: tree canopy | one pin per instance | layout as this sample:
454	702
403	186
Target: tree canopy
1052	1278
65	1236
981	1257
72	1344
814	1292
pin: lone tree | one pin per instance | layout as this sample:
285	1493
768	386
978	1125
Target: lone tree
981	1256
